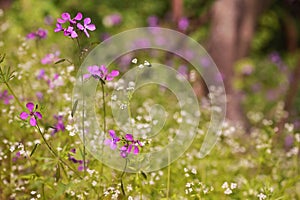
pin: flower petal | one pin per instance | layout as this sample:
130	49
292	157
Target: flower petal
65	16
114	73
30	106
90	27
87	21
24	115
129	137
129	148
107	141
113	146
112	133
86	33
78	16
32	121
38	114
136	150
86	76
74	34
79	26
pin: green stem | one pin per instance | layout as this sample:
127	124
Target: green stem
104	124
169	175
53	152
83	131
121	177
16	98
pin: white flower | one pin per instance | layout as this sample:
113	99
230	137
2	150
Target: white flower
261	196
225	185
233	185
228	191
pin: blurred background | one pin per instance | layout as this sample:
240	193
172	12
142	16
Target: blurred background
254	43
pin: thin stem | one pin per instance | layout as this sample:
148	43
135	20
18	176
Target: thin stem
169	175
121	177
104	124
12	92
54	153
83	131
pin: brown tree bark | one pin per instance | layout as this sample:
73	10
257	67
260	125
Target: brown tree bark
232	29
177	10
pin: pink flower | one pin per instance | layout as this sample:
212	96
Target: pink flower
5	97
32	114
112	142
50	58
101	73
39	34
66	17
86	26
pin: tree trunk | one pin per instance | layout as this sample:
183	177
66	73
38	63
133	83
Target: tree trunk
232	30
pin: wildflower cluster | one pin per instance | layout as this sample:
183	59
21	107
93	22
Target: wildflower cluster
39	34
74	25
130	144
100	73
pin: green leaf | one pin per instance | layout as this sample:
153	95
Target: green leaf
74	108
60	61
34	148
57	174
144	175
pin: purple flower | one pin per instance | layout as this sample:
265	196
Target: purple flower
39	34
5	97
59	126
66	17
112	20
152	21
39	95
183	24
32	114
70	32
101	73
133	144
112	142
50	58
86	26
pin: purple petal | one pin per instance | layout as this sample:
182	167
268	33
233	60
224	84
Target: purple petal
123	148
86	76
113	146
103	69
32	121
114	73
30	106
65	16
112	133
107	141
38	114
136	150
80	168
129	148
24	115
86	33
87	21
78	16
123	154
129	137
90	27
79	26
30	36
74	34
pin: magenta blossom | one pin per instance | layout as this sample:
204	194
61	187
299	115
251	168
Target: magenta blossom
5	97
67	17
50	58
39	34
59	126
32	114
86	26
74	160
183	24
112	142
73	25
101	73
